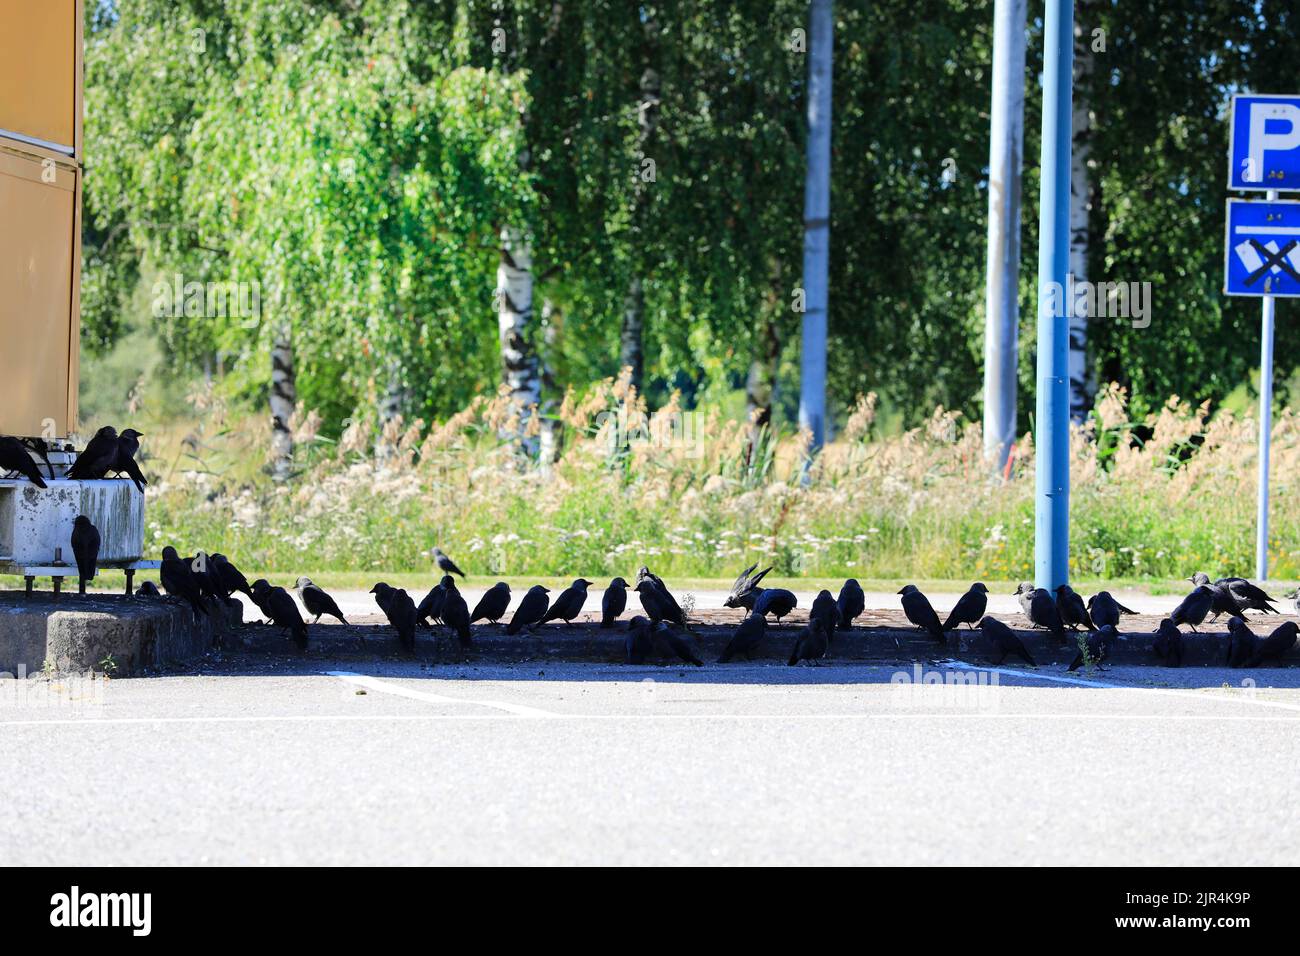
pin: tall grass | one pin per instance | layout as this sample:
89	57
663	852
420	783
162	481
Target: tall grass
697	495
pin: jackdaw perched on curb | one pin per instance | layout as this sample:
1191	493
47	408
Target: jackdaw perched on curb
530	610
1169	644
1004	641
85	550
1241	643
969	608
745	591
1272	648
1194	607
492	605
1074	614
638	644
811	644
430	609
316	600
776	601
850	604
613	603
1246	596
178	580
568	604
148	589
672	610
659	605
674	642
277	604
1104	609
15	457
455	612
825	609
400	611
228	577
1223	601
1097	646
746	639
1040	608
918	610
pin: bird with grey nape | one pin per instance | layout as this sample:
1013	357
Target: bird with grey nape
745	591
316	600
530	610
429	610
638	645
1042	611
1193	608
455	612
919	611
825	609
776	601
568	604
1249	597
1241	643
148	590
1074	613
400	611
85	550
97	457
15	458
1168	645
1003	641
178	580
492	605
850	604
445	564
613	602
811	644
1272	648
748	636
1224	601
1095	647
279	606
1104	609
668	638
969	608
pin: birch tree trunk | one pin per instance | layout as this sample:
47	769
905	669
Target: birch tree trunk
631	350
630	354
284	398
1081	384
549	448
520	371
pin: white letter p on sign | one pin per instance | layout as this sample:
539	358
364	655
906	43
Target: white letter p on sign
1262	141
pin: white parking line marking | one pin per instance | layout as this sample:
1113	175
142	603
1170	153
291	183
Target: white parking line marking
383	687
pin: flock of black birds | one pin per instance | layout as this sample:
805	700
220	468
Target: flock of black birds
659	630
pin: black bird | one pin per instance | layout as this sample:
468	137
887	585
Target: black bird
775	601
492	604
1249	597
128	443
1194	607
1097	644
676	643
1004	641
228	576
400	611
205	575
15	457
446	564
1275	645
85	548
40	447
148	589
99	455
530	610
969	608
1169	644
260	589
811	645
746	639
179	581
825	609
1043	613
568	604
638	644
1224	602
850	603
455	612
1073	612
613	603
317	601
1104	609
430	609
278	605
746	590
658	603
1241	643
918	610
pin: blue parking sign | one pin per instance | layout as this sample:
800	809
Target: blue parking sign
1265	142
1263	248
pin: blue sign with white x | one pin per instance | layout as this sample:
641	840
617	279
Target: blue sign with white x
1263	248
1265	135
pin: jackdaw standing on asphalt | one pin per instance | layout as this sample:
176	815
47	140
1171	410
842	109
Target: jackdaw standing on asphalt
918	610
1095	647
530	610
850	604
1241	642
775	601
1224	602
638	644
400	611
99	455
613	603
568	604
811	644
178	580
1272	648
969	608
1074	614
1003	641
492	605
1104	609
14	457
85	550
1247	596
316	600
446	564
670	639
1169	643
746	639
1194	607
746	590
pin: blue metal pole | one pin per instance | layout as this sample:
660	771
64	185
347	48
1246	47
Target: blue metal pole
1052	438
